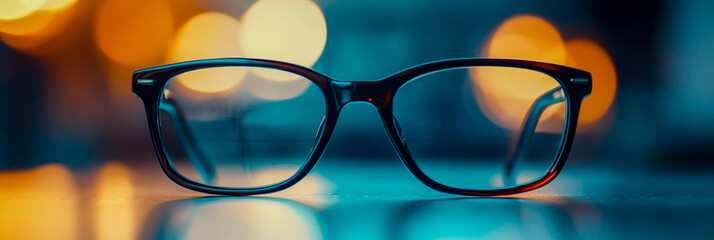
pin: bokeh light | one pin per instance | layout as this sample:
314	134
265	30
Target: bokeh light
39	203
208	35
527	37
588	55
115	212
506	95
27	25
134	32
14	9
287	30
37	28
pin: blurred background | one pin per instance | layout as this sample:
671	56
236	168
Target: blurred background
70	125
66	68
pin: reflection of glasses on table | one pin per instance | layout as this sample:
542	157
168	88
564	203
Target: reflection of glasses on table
463	126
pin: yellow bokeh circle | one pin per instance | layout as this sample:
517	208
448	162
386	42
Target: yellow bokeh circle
134	32
505	95
287	30
208	35
15	9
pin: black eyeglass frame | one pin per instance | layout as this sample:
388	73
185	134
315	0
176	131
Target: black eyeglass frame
148	84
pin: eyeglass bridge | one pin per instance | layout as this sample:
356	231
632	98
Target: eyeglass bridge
364	91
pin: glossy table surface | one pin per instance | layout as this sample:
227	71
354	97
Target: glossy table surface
352	201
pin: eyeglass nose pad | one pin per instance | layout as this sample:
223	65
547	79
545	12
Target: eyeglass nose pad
399	131
203	165
319	130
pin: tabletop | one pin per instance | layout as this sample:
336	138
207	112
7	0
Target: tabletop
360	201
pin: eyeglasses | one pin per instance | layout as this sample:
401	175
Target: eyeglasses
472	126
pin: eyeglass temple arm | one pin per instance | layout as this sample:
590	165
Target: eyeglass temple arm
195	155
528	127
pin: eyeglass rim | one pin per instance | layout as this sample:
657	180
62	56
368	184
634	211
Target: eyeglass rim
148	85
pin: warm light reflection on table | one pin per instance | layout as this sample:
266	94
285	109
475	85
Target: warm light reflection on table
117	201
115	217
41	203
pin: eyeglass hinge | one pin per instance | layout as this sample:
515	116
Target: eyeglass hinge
579	80
145	82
